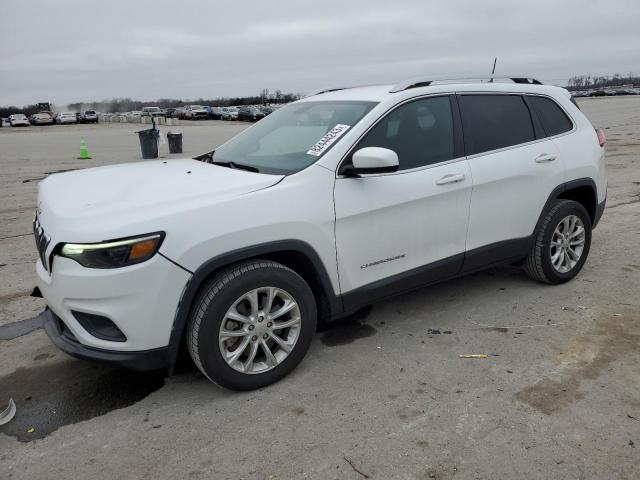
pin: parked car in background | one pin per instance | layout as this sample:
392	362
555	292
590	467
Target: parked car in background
152	112
18	120
597	93
168	112
579	93
66	117
229	113
179	113
215	113
248	113
266	110
88	116
42	118
195	112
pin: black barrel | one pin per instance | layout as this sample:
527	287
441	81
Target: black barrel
175	142
149	143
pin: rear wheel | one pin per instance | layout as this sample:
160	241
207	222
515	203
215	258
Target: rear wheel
561	245
251	325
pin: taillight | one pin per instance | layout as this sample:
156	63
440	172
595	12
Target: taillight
602	140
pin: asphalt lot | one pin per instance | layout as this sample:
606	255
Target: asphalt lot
382	394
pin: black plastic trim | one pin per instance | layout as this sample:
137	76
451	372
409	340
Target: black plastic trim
403	282
99	326
498	253
599	211
538	130
356	172
335	304
154	359
570	185
459	149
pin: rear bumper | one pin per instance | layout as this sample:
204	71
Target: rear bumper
599	212
62	337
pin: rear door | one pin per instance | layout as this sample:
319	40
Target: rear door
514	170
398	230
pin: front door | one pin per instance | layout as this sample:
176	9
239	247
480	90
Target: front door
398	230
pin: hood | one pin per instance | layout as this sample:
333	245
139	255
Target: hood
120	200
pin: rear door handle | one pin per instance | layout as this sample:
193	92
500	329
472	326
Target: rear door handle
450	178
545	157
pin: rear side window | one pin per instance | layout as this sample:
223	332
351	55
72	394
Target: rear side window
420	132
491	122
554	120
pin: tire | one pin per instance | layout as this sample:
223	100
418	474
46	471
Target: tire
546	262
230	293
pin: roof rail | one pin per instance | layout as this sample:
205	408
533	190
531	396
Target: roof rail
326	90
425	82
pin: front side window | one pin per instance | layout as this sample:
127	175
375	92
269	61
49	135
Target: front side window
293	137
554	120
491	122
420	132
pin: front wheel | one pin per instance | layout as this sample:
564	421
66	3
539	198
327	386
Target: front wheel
251	325
561	245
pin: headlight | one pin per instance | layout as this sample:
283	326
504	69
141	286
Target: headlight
116	253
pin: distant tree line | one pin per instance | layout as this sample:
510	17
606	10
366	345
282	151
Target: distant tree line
127	104
10	110
583	82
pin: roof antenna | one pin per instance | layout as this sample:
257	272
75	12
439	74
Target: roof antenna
495	60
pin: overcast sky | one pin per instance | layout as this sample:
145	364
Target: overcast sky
65	51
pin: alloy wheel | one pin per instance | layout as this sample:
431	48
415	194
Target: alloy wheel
260	330
567	243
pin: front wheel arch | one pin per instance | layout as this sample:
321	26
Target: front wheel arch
297	255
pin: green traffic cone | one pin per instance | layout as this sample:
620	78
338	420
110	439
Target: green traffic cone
84	151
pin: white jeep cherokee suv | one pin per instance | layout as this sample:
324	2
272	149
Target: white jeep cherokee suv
343	198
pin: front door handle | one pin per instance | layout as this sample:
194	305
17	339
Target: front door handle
450	178
545	157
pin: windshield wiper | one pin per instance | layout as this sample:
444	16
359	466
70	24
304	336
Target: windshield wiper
205	157
237	166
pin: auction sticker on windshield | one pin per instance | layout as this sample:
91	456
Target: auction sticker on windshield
330	137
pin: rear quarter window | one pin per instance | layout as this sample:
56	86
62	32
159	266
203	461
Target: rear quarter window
554	120
491	122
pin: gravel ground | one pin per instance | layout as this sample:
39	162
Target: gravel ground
380	395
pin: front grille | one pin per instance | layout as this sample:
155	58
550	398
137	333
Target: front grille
42	242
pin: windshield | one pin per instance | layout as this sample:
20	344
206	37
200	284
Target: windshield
293	137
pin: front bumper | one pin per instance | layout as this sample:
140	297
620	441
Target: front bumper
140	300
62	338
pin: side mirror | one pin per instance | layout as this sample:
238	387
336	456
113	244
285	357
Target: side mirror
373	160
